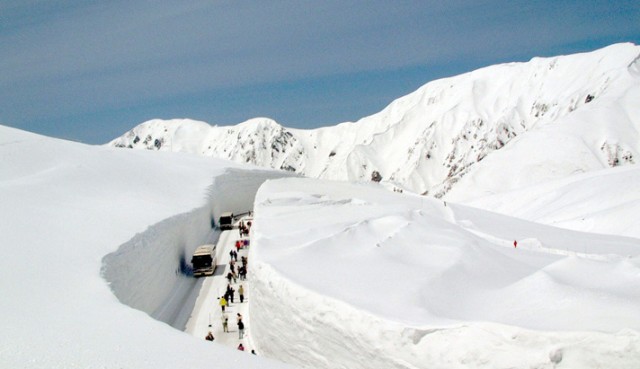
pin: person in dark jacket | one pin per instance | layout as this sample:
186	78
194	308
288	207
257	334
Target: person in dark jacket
240	329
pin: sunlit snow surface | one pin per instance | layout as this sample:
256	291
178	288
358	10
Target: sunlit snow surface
69	210
342	275
345	273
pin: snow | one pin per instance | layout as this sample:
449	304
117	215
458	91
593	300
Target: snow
68	211
471	135
96	241
346	272
605	201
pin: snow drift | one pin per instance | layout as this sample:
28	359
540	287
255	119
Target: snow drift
346	276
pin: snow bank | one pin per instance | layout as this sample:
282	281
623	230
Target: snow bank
343	273
64	207
151	272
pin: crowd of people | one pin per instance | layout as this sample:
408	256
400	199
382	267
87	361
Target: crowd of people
237	270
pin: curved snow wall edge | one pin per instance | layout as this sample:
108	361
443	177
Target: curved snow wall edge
301	327
151	272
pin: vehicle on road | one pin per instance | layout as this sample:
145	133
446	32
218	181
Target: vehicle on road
226	221
204	260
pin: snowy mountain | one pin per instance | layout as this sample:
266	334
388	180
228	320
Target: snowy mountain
94	240
459	137
93	243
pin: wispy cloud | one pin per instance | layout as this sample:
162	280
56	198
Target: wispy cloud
63	58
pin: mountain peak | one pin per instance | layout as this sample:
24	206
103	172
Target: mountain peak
460	132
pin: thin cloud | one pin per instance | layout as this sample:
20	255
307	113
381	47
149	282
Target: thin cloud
74	57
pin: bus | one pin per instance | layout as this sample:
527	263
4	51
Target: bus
226	221
204	260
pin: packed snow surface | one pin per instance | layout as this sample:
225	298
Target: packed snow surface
344	273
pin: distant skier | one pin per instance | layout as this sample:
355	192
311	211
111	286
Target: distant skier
515	244
241	293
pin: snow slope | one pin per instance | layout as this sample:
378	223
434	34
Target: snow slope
604	201
461	137
69	210
353	276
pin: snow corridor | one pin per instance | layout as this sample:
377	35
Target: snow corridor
151	272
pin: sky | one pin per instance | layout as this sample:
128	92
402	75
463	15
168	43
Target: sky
91	70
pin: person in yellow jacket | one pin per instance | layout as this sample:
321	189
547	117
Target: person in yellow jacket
223	303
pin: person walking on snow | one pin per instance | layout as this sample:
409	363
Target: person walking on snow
225	323
240	329
232	266
223	303
241	293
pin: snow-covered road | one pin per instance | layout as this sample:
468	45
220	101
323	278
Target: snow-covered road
207	314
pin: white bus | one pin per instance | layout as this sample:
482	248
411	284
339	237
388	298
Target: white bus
204	260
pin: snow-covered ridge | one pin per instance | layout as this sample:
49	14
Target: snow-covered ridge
430	140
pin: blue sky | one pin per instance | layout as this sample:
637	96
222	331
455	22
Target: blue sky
91	70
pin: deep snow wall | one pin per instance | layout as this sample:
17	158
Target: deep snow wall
298	326
151	272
